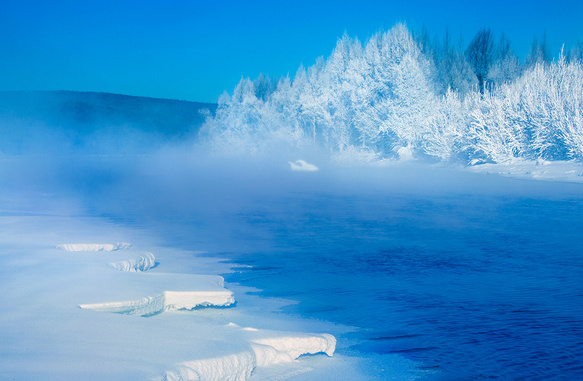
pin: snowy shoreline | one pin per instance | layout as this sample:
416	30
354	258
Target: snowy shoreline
66	308
82	296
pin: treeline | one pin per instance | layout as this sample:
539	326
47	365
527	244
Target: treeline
406	96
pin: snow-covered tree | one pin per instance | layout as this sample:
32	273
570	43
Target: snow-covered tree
537	116
386	99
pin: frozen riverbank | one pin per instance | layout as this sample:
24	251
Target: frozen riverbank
47	335
79	302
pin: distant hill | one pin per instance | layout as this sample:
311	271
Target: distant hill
94	123
86	111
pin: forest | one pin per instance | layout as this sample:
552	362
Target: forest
404	96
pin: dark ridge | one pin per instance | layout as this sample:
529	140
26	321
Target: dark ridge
85	112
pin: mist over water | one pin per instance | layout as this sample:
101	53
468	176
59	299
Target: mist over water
470	275
473	276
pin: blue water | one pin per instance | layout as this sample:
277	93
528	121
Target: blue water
474	277
487	287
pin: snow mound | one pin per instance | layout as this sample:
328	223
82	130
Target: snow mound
168	300
94	246
301	165
298	345
405	153
143	263
262	353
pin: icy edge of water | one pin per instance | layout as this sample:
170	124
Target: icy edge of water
184	313
265	351
168	300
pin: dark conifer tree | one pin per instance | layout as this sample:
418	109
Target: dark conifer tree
481	53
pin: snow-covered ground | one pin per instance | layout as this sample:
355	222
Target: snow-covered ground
569	171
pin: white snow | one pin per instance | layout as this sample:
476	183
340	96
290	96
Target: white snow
143	263
301	165
405	153
192	299
275	348
299	345
169	300
94	246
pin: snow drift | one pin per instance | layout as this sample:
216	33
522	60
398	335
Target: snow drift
142	263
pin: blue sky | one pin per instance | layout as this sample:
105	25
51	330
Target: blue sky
194	50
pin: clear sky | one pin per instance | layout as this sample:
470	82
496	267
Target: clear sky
196	49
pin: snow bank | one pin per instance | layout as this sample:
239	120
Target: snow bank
94	246
263	352
169	300
143	263
72	342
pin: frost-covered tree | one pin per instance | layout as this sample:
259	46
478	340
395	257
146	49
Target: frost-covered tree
385	99
540	115
400	96
495	131
377	97
445	138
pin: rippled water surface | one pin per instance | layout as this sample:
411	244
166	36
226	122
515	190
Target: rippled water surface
476	287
